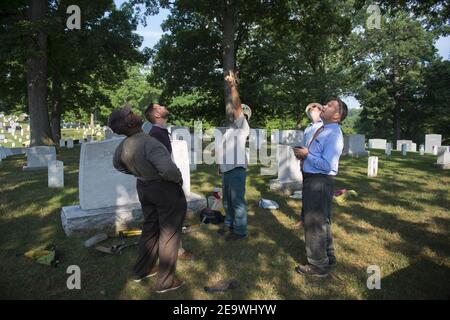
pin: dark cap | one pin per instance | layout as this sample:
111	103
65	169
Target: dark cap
117	120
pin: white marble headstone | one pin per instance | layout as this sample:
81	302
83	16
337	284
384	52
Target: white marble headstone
372	170
55	174
377	144
38	157
354	145
401	142
388	149
432	140
100	185
180	157
69	143
404	149
288	165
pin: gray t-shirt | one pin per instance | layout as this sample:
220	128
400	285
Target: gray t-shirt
233	152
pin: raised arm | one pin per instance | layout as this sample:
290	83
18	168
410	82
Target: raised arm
230	80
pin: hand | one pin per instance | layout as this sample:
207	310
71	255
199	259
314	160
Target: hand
231	78
301	153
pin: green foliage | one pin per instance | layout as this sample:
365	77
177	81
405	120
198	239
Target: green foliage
391	65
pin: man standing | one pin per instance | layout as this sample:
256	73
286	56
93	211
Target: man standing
157	115
233	165
313	111
159	187
320	165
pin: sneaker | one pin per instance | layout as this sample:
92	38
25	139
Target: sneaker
177	283
152	273
311	270
233	236
185	256
332	261
224	229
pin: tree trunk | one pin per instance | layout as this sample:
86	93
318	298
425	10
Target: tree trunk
228	51
37	79
56	109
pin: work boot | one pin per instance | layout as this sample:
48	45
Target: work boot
224	229
312	270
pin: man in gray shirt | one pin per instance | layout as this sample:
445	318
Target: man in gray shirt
233	165
159	187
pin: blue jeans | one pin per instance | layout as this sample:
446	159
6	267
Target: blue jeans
233	187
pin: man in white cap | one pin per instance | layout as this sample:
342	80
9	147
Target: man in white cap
233	166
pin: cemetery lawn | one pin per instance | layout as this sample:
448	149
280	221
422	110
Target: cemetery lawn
400	221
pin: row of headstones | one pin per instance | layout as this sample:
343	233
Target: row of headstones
432	145
432	141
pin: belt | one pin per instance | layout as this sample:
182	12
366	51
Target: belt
312	175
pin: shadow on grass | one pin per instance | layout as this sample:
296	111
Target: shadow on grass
415	283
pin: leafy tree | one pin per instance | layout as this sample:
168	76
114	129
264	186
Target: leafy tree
77	62
391	63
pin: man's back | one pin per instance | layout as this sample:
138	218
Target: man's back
146	158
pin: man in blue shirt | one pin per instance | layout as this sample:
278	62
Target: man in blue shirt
320	165
313	111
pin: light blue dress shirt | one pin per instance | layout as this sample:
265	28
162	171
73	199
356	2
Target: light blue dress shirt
325	151
309	132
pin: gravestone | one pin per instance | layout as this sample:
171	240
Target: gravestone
38	157
62	143
372	167
404	149
441	150
289	176
407	142
422	149
354	145
180	133
70	143
55	174
109	133
443	159
291	137
5	152
435	150
108	198
377	144
388	149
432	140
261	135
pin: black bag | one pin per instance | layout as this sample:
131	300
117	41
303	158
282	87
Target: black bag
211	216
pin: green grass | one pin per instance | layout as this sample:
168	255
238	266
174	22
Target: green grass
400	221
